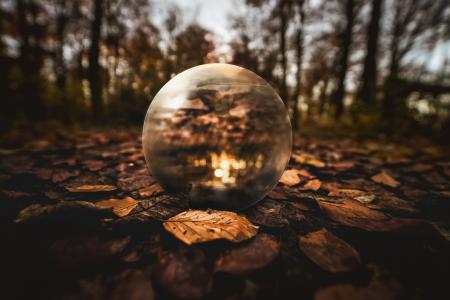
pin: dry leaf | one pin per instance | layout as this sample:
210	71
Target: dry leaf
184	272
197	226
308	160
342	165
329	252
120	207
66	211
348	291
277	195
312	185
87	188
44	174
255	255
268	213
61	175
290	177
345	193
353	214
130	284
150	191
358	195
93	165
385	178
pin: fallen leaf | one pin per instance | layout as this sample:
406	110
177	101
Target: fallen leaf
365	199
345	193
384	178
133	183
61	175
253	256
308	160
130	284
44	174
87	188
76	252
63	211
360	196
197	226
353	214
268	214
93	165
348	291
121	207
277	195
150	191
342	165
329	252
7	194
290	177
313	185
184	273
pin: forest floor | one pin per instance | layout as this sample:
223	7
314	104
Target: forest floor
82	219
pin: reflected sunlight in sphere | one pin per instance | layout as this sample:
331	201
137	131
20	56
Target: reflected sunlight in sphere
218	133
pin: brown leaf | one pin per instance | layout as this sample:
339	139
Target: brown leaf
120	207
133	183
184	273
348	291
384	178
63	211
150	191
255	255
87	188
351	213
308	160
328	251
129	284
290	177
76	252
358	195
44	174
277	195
93	165
197	226
313	185
342	165
61	175
267	213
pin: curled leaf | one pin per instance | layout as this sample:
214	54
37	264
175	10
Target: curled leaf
197	226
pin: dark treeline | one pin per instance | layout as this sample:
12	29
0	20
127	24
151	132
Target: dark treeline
361	63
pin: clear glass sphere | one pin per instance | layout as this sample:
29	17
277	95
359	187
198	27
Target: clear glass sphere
218	133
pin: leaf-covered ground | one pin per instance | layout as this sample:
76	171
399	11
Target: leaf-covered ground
82	219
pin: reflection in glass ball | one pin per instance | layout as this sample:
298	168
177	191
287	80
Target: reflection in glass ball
218	133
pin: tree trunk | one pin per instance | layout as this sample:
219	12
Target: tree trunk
94	76
299	57
389	102
343	61
323	97
60	67
282	15
367	92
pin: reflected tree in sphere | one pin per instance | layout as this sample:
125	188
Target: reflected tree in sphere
218	133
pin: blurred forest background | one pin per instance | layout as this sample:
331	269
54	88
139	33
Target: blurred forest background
359	66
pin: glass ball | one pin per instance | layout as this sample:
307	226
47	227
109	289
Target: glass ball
219	134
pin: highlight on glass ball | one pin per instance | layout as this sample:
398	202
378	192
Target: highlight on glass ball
219	134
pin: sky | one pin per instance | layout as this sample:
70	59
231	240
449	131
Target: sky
214	15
